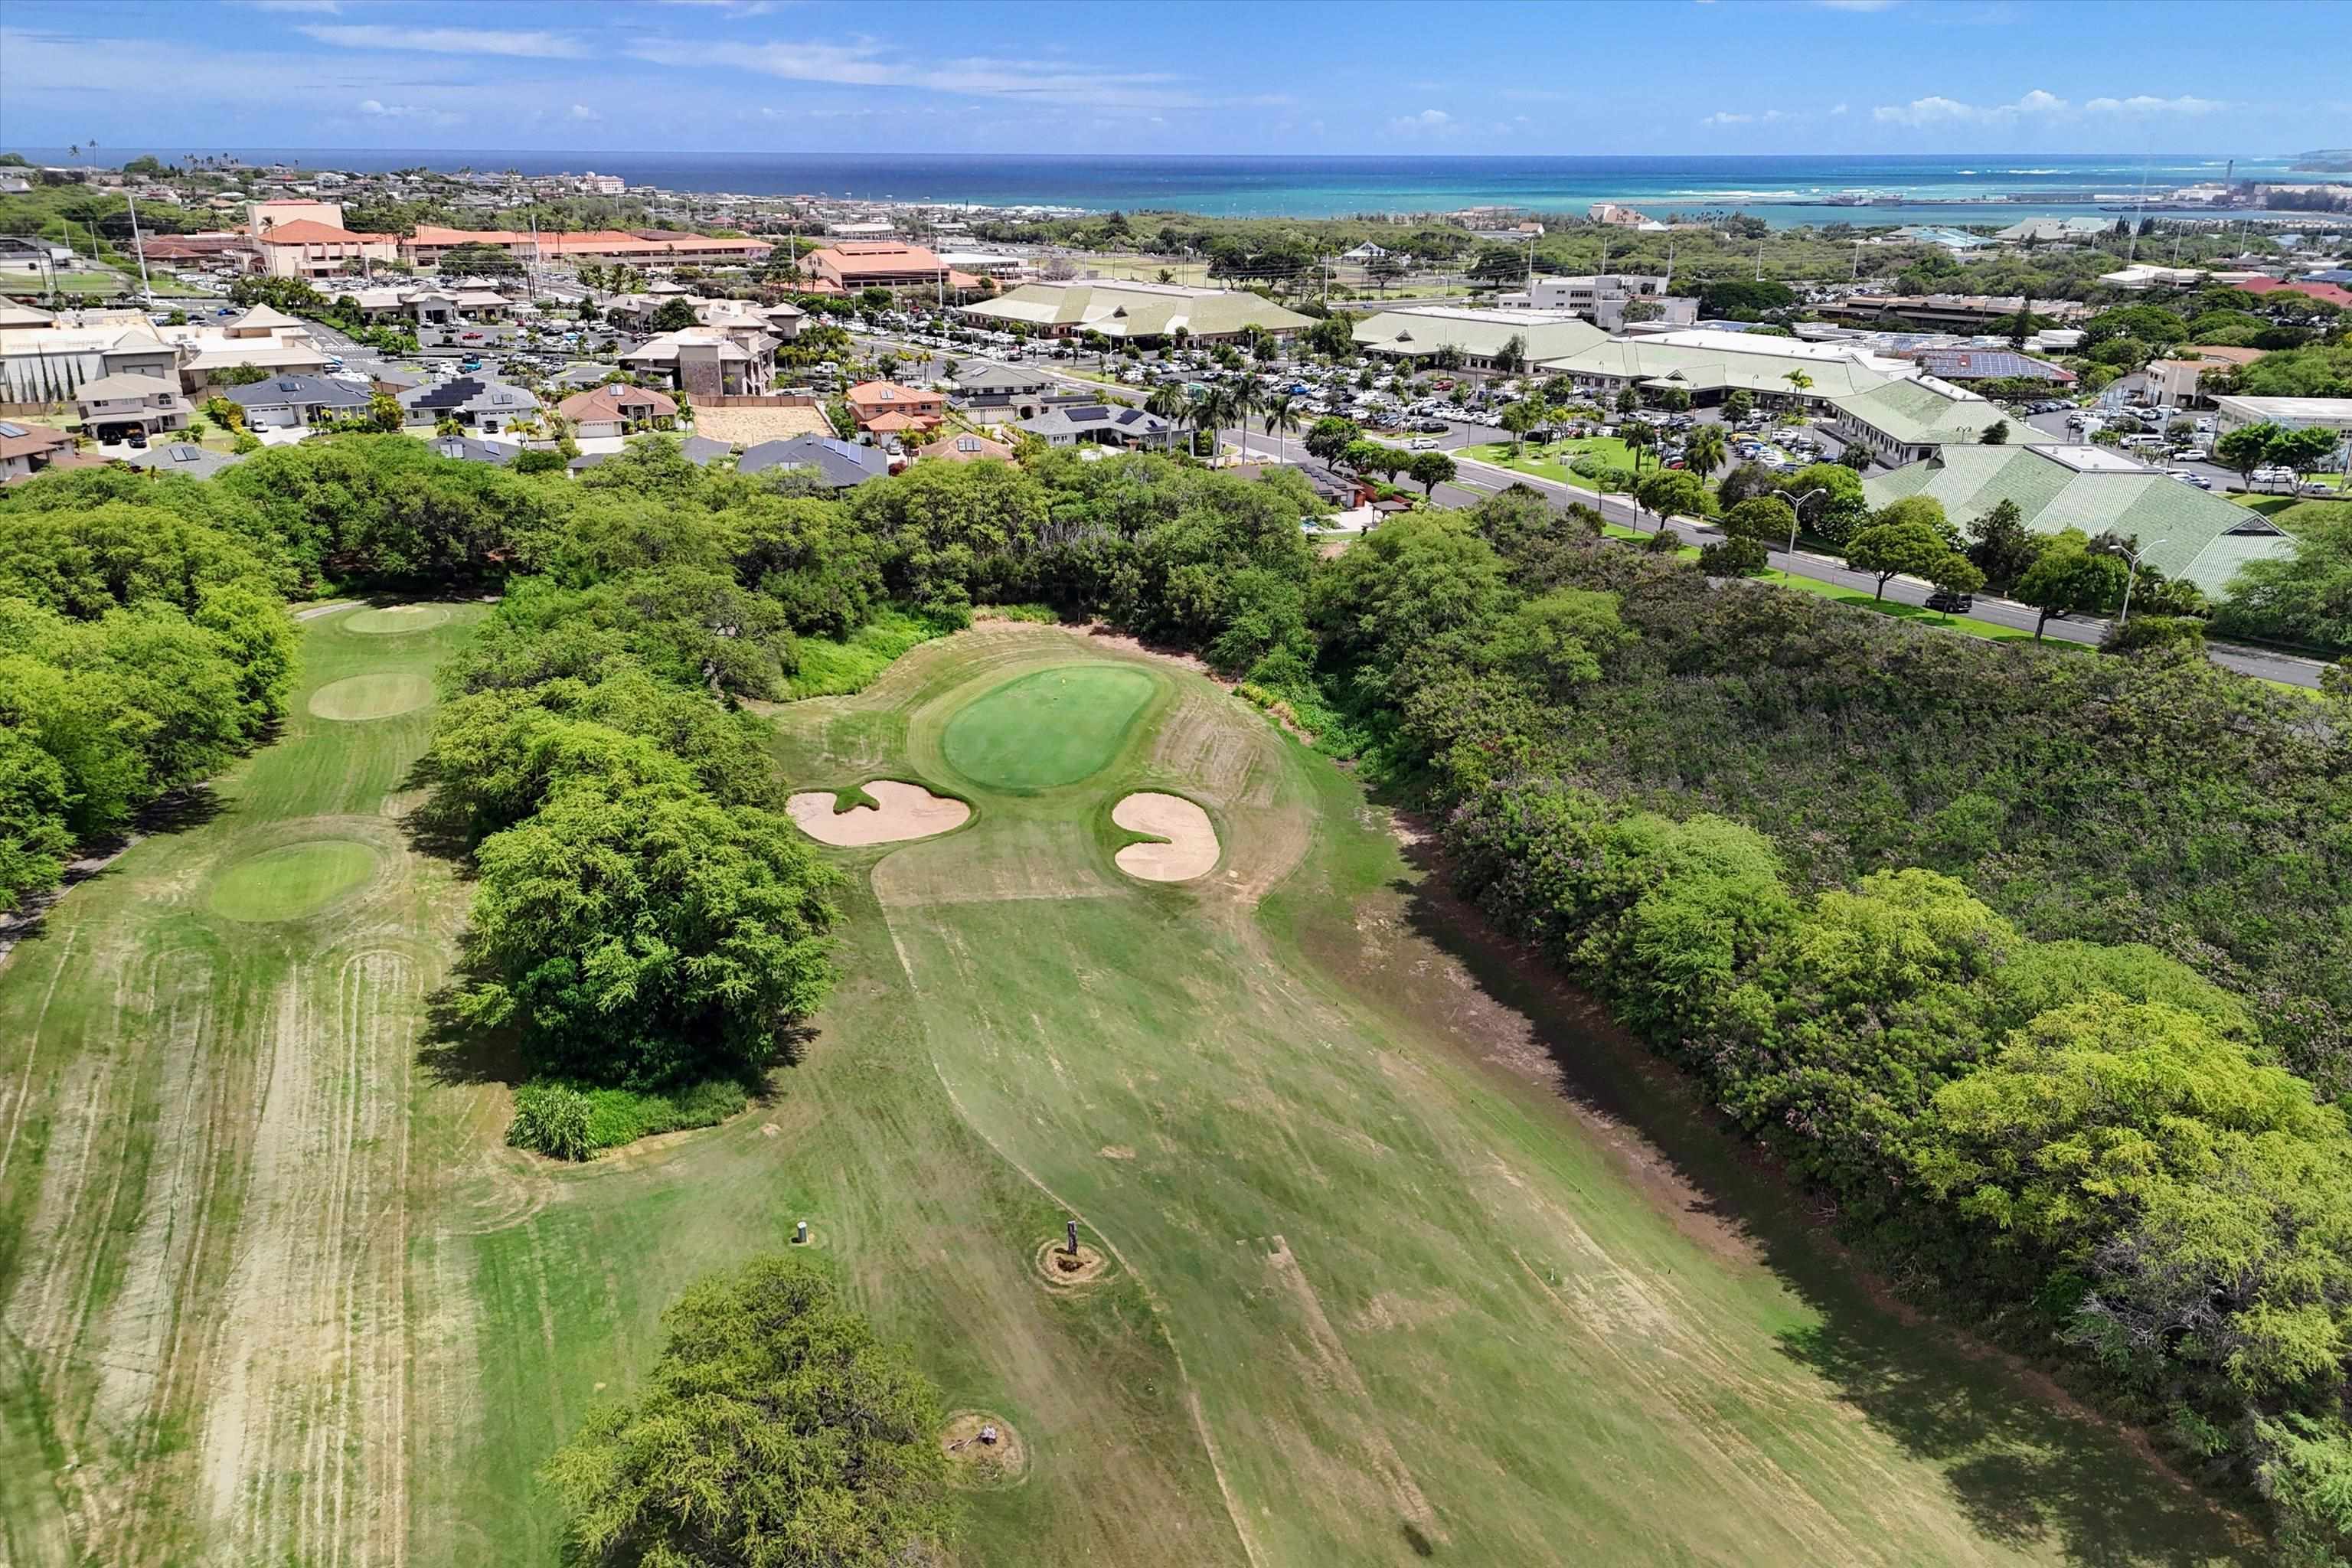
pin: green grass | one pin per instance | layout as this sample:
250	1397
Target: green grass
296	881
1410	1257
836	667
1551	462
1048	729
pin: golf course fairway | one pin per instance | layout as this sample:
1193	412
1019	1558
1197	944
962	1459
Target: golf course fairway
1390	1251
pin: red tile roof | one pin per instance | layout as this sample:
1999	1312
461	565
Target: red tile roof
2332	293
603	403
306	231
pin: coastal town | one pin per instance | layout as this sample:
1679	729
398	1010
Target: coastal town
1324	786
176	319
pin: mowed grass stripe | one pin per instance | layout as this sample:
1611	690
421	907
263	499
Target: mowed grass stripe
195	1223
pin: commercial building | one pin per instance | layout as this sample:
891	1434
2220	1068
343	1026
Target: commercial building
45	363
654	247
1991	364
1413	335
2058	230
304	249
2179	380
2185	532
2294	413
1134	312
2327	293
1709	364
1953	313
1603	298
1903	421
857	264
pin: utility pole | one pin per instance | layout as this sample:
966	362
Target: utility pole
146	289
2124	617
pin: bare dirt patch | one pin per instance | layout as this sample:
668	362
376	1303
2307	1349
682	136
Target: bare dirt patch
979	1466
1063	1268
903	810
750	426
1190	850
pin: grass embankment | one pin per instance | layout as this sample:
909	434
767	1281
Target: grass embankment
834	667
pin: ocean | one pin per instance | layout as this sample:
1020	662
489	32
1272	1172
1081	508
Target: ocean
1781	190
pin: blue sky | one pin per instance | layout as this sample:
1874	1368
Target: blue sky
1668	76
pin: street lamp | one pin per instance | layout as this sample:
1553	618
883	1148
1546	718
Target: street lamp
2124	617
1797	517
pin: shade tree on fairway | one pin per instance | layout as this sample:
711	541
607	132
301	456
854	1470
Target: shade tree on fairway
774	1430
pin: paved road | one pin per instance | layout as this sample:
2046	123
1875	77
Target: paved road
1476	479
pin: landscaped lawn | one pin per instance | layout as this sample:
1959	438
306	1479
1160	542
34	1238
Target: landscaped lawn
1551	460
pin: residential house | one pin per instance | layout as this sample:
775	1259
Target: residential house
966	448
486	406
710	362
1413	334
181	457
832	464
1101	424
465	449
115	407
2186	533
615	410
26	449
1135	313
699	450
981	385
284	402
908	407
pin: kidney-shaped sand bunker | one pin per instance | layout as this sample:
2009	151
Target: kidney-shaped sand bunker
1190	850
901	811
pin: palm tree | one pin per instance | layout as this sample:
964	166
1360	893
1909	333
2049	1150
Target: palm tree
1519	420
1638	439
1704	452
1245	399
1281	419
1209	410
1798	381
1167	400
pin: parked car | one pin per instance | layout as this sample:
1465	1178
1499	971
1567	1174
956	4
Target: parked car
1951	604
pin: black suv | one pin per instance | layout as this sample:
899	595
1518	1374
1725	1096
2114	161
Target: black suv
1951	604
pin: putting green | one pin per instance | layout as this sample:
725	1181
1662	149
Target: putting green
398	619
298	880
1050	728
371	696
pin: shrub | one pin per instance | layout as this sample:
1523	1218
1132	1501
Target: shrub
552	1118
1733	558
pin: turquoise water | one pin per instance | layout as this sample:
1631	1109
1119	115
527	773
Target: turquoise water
1782	190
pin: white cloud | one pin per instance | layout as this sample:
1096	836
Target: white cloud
1940	110
1838	110
1768	116
378	109
1428	122
450	41
582	112
1922	111
868	62
2143	104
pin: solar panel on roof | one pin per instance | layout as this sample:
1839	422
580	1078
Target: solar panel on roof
8	430
1089	413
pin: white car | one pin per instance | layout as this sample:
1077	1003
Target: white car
1422	443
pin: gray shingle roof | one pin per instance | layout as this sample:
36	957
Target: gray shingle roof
839	464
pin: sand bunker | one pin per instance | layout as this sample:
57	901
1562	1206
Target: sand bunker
398	619
906	811
1191	848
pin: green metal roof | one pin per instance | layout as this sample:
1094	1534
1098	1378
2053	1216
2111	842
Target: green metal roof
2186	533
1137	310
1917	414
1480	334
1712	368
